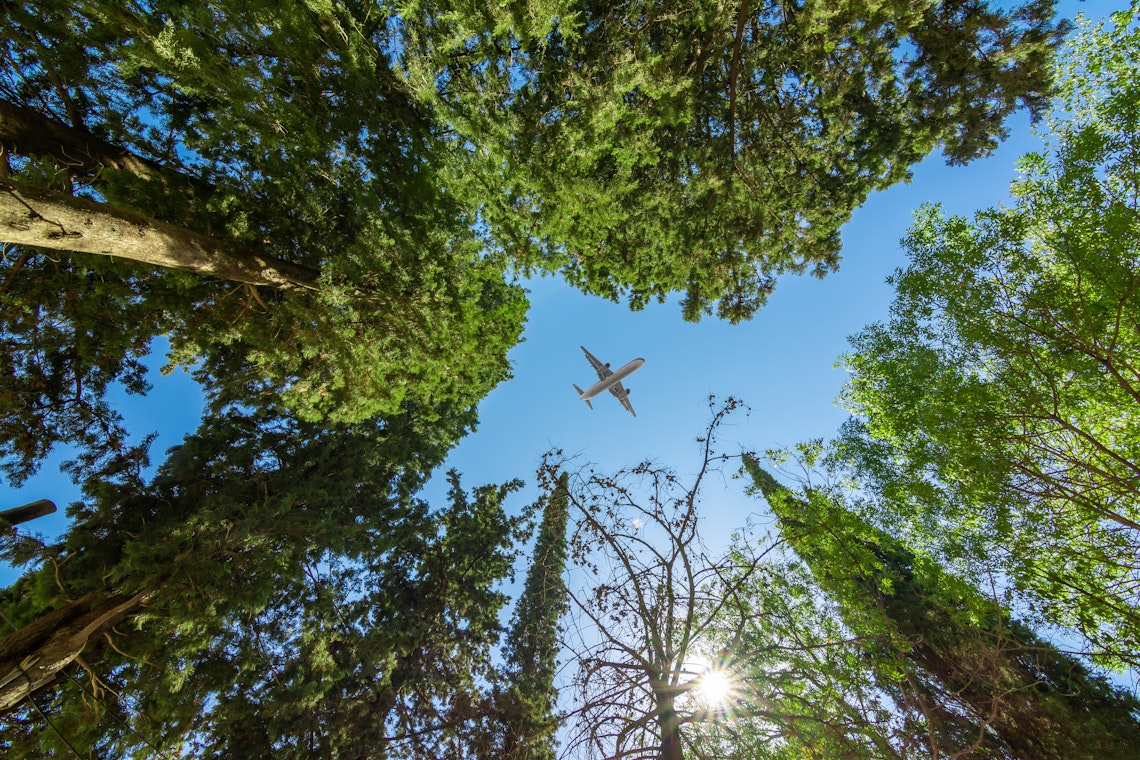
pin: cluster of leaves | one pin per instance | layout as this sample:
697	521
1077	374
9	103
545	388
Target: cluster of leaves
283	134
994	406
71	330
275	559
653	148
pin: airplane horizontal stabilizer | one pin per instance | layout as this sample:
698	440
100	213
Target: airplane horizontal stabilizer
580	392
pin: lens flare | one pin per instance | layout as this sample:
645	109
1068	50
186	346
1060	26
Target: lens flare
715	687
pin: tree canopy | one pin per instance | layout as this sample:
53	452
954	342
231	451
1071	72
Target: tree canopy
326	208
993	406
229	138
963	676
642	148
271	567
327	205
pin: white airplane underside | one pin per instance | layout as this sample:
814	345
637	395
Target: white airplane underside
609	380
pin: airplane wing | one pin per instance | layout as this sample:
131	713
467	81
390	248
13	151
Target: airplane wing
623	396
603	370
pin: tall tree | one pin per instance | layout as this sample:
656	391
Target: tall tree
533	641
650	148
994	406
277	584
962	671
276	150
641	641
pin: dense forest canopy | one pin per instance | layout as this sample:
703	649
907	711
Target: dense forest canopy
358	180
327	209
642	149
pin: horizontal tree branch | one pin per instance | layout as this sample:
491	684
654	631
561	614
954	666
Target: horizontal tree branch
35	654
43	219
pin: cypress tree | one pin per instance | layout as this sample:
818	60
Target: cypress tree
533	644
972	678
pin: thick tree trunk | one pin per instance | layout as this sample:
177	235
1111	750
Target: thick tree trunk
26	132
40	218
32	657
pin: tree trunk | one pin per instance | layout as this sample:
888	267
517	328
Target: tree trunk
26	512
43	219
667	723
29	133
32	657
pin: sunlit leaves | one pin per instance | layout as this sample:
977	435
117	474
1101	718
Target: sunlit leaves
996	401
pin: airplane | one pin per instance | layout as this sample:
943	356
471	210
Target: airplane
608	380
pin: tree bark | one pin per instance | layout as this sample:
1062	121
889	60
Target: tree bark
668	723
43	219
29	133
32	657
26	512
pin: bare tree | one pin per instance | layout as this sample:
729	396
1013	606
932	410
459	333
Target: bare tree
656	589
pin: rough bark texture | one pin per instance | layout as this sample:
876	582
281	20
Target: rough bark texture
43	219
32	657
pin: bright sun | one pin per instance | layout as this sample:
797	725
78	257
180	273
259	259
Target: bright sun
715	687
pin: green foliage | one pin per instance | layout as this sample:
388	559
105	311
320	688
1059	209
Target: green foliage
533	642
411	152
653	148
801	683
283	133
993	406
962	674
71	330
304	600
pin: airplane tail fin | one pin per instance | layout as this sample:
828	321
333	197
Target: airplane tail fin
580	392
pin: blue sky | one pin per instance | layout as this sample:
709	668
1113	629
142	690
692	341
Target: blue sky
782	363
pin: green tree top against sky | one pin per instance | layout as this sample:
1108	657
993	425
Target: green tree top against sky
348	140
996	403
297	594
652	148
964	676
256	133
527	720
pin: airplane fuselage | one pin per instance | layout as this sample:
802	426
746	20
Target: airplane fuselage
612	380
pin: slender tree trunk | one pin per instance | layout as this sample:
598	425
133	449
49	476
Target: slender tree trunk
32	657
43	219
668	724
